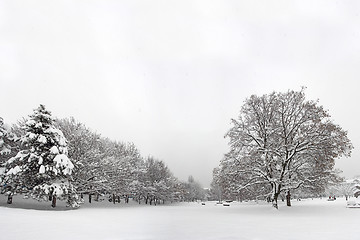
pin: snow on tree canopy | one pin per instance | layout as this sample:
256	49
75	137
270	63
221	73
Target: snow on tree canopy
44	158
42	169
15	170
54	150
59	136
42	139
19	156
64	163
281	142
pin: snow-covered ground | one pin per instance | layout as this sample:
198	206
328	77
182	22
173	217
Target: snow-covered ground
306	219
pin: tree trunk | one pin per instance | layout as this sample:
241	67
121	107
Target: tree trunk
51	193
10	198
288	199
89	197
275	195
274	202
53	202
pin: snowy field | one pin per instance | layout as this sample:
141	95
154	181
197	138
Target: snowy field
307	219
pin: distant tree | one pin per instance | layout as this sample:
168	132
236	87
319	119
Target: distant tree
43	167
215	187
194	190
347	188
285	142
159	181
356	188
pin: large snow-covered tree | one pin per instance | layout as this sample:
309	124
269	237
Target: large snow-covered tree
42	167
160	184
281	141
86	150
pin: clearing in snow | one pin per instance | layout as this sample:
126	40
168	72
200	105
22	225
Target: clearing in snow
307	219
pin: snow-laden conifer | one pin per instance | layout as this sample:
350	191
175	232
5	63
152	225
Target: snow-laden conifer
43	167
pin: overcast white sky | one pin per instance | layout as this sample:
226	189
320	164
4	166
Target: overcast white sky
169	75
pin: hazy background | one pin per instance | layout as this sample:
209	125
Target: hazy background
169	75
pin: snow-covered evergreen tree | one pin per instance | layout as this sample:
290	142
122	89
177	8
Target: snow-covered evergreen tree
43	167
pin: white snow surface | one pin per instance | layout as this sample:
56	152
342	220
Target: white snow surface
316	219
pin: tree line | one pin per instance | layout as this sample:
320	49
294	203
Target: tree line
48	159
280	145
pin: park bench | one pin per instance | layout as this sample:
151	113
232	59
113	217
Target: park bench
353	204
